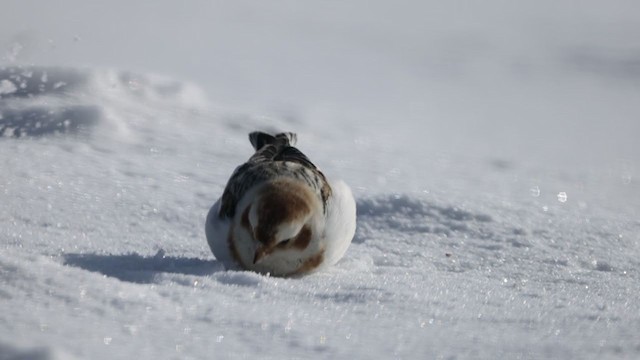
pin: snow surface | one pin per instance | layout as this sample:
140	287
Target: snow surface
492	154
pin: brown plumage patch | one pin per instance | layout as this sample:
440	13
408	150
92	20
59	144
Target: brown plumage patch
311	263
303	239
233	250
281	201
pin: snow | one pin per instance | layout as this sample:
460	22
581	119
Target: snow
491	149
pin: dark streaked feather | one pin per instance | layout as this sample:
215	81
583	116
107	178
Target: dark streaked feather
277	148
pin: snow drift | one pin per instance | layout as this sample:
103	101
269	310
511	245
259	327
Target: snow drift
39	101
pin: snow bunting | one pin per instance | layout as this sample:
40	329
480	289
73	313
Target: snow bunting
278	213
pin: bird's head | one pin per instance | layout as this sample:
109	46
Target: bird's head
281	217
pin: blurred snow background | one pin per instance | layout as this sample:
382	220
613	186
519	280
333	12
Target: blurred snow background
491	146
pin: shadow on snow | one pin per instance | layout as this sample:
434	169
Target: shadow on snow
141	269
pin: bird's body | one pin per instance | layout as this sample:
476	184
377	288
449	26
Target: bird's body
279	214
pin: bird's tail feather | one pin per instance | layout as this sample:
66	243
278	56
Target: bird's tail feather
259	139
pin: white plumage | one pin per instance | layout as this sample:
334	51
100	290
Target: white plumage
279	214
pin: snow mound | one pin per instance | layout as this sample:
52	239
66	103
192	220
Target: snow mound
403	213
40	101
36	353
411	232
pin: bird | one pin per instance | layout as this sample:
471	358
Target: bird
278	214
